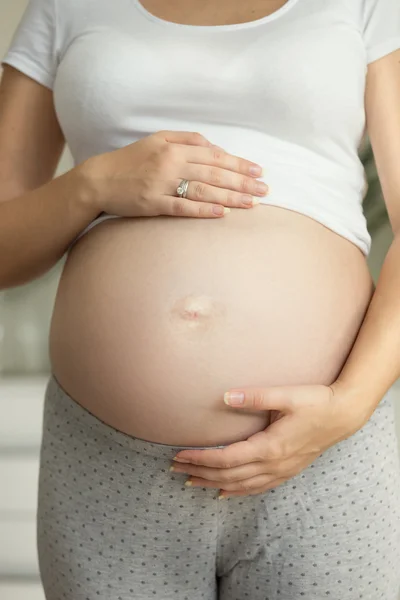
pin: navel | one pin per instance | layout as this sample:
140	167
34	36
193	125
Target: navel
197	311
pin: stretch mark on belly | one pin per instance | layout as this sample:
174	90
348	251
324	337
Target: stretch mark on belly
197	312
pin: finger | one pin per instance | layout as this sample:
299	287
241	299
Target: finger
222	178
273	484
217	157
199	191
192	138
243	485
234	455
278	442
271	398
222	475
184	207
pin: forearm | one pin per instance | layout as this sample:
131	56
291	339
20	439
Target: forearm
37	227
373	364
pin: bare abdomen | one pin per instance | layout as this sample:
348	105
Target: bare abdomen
155	318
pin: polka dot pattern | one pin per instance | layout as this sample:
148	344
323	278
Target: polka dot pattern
114	523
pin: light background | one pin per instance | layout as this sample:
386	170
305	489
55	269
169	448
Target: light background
24	324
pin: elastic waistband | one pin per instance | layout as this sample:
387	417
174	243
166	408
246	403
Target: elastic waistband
69	414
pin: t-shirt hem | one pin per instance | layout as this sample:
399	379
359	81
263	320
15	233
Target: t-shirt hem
95	222
363	242
382	49
29	68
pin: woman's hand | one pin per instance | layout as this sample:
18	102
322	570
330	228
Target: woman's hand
304	421
140	180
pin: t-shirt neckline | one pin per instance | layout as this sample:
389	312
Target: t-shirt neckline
271	17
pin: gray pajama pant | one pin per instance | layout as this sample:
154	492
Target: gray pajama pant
115	524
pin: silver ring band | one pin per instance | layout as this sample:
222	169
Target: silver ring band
182	188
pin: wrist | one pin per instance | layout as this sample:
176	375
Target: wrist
88	193
350	404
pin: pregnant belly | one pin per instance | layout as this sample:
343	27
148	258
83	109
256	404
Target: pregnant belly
155	318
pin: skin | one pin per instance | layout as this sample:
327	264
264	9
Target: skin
29	128
208	12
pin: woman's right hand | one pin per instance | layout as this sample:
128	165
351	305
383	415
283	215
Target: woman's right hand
140	180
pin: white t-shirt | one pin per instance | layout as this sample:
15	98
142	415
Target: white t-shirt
285	91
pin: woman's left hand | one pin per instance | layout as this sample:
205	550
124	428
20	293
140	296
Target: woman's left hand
305	421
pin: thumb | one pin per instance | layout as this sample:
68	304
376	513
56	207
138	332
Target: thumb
275	397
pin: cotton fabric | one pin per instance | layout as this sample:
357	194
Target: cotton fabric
286	90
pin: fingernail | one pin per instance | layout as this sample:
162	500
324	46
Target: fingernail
171	469
188	483
234	398
181	460
261	188
220	210
221	497
256	170
250	200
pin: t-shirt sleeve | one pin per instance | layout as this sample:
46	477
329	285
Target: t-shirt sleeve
33	48
381	27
